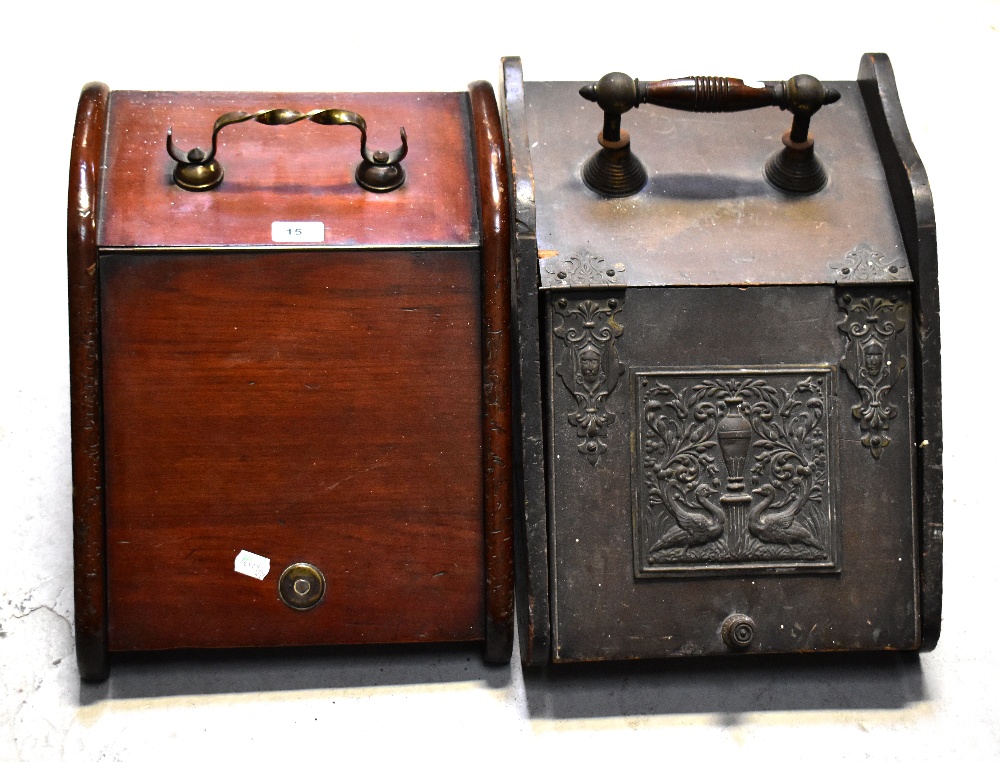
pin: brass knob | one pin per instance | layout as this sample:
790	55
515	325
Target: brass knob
301	586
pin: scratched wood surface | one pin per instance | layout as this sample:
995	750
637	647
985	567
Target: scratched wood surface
498	426
911	197
320	407
85	384
298	172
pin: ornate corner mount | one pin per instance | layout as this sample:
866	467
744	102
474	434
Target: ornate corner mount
583	269
863	263
589	366
874	360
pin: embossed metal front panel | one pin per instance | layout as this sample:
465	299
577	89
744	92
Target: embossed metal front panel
723	454
761	438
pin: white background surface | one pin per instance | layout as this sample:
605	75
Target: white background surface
445	704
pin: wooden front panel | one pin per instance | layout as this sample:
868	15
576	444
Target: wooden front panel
300	172
319	407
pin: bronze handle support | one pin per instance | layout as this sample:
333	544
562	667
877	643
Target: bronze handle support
379	171
614	172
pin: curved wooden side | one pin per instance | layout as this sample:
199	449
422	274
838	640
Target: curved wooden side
532	550
491	175
911	197
90	586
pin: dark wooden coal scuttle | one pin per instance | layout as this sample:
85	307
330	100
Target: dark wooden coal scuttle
295	349
727	347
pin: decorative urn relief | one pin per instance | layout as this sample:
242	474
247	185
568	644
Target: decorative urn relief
770	426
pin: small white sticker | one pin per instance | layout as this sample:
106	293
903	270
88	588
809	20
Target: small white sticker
298	232
252	565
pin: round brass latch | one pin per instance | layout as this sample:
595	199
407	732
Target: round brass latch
301	586
738	632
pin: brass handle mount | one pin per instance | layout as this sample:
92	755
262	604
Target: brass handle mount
614	172
379	171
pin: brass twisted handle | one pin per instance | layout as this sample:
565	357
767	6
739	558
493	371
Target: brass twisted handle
379	171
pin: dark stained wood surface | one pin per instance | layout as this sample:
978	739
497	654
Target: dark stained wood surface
911	196
531	548
498	486
299	172
708	218
90	584
320	407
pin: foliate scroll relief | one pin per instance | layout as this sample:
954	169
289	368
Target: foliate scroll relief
863	263
733	471
583	270
874	359
589	366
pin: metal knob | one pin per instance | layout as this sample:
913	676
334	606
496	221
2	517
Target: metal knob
738	631
301	586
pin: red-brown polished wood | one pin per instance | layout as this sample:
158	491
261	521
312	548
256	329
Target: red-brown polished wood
320	407
342	403
298	172
497	443
85	384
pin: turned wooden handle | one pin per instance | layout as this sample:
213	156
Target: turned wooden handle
617	93
616	175
709	94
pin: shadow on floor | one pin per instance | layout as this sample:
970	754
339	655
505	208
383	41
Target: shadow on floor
186	673
726	686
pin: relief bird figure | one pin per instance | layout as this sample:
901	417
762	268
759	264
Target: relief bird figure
693	526
779	525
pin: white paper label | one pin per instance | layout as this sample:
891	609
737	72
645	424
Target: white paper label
252	565
298	232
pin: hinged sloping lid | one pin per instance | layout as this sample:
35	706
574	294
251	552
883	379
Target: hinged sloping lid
708	216
302	172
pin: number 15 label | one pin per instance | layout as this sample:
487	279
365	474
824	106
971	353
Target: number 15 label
298	232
